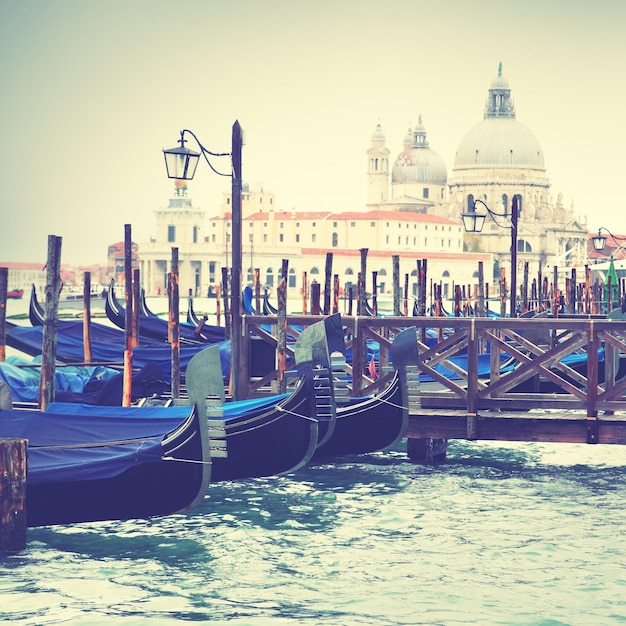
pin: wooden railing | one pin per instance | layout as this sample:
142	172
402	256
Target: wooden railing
479	364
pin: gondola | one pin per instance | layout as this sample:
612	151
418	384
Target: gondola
268	308
113	463
247	300
377	422
154	327
273	435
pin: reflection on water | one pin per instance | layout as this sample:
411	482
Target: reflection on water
498	534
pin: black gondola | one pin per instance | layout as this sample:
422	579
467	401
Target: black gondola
90	464
377	422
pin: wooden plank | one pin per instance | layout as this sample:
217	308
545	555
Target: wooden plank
553	427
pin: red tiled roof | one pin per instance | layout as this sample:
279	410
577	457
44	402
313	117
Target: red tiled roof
405	216
407	254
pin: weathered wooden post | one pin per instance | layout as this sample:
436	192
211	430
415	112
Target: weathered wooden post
525	288
328	272
4	281
49	347
350	299
481	290
174	322
218	304
87	317
257	290
227	327
375	293
361	295
573	299
315	298
336	294
281	331
13	462
587	289
406	295
305	293
136	296
503	293
395	273
128	318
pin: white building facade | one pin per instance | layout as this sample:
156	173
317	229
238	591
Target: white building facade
413	210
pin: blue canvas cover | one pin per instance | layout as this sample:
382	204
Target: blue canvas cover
24	381
28	339
72	442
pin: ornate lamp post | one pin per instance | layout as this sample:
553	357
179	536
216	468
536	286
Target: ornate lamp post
473	222
181	163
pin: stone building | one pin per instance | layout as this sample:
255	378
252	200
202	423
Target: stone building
413	209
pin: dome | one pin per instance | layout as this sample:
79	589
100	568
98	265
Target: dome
499	142
378	134
417	163
499	82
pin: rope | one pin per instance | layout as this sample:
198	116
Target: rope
172	458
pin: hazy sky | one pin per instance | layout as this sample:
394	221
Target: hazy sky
93	90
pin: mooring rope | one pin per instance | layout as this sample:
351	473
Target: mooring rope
173	458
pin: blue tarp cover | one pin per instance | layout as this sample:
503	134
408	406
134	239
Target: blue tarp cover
24	381
28	339
71	442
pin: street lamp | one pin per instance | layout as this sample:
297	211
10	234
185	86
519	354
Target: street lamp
473	222
599	240
181	163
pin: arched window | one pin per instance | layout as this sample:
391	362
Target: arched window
292	278
269	277
349	272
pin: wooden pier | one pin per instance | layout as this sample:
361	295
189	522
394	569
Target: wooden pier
540	379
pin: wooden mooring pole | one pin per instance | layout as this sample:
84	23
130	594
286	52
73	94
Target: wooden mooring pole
13	461
4	281
49	346
128	319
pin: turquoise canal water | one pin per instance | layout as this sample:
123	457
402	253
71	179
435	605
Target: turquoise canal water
499	534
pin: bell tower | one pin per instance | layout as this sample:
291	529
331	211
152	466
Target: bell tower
378	168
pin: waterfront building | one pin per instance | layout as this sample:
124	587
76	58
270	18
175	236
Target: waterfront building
304	238
413	209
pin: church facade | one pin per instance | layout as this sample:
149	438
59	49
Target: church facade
413	210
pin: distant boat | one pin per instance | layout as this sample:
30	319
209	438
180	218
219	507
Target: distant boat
15	294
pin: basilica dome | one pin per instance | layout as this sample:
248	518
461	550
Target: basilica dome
417	163
499	140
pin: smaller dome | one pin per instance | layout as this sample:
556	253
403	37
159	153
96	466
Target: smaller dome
378	134
417	163
500	83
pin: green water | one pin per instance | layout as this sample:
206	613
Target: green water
499	534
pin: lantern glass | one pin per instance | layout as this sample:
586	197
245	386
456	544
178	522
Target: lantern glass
473	222
181	162
599	242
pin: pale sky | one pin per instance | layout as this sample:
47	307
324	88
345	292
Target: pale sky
93	90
